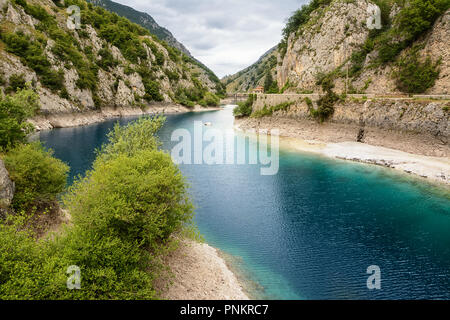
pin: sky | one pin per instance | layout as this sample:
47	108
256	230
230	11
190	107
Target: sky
226	35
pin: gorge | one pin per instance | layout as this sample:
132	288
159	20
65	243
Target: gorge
123	154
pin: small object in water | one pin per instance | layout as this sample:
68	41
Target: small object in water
208	124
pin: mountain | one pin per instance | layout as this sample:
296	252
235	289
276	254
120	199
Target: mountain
107	62
252	76
143	19
330	40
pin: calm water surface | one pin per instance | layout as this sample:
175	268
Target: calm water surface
312	230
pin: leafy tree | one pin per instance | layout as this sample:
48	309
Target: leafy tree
14	111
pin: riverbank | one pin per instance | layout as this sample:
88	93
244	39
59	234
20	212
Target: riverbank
199	273
67	120
418	154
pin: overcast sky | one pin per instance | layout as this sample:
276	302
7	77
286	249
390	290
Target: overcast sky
226	35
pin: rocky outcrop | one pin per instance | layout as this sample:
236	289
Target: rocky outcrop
325	44
6	190
428	122
119	85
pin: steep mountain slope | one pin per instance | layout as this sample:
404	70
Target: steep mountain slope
330	39
252	76
143	19
107	62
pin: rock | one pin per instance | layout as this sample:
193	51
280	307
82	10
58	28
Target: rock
6	189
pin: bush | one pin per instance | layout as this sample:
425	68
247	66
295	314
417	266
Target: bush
14	111
268	111
140	199
419	16
414	76
152	91
124	212
245	109
140	135
16	81
38	177
326	103
210	99
107	60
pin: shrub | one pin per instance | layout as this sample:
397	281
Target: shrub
245	109
172	75
16	81
140	198
268	111
14	111
326	103
419	15
127	140
124	212
152	91
107	60
38	177
414	76
210	99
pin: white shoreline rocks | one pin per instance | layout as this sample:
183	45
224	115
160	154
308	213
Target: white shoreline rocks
76	119
199	273
333	141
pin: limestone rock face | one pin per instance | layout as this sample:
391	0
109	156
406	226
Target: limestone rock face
120	85
6	189
324	44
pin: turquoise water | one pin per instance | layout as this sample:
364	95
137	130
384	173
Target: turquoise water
312	230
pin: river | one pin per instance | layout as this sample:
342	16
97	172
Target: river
312	230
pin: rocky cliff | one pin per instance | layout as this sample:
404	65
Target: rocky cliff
6	189
107	62
408	54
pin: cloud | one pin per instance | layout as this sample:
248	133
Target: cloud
226	35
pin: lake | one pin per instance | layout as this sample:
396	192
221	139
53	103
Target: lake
310	231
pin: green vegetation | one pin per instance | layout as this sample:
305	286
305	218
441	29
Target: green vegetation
210	100
152	91
14	111
326	103
38	177
124	212
16	81
107	60
133	41
31	52
270	86
413	20
245	109
268	111
414	76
